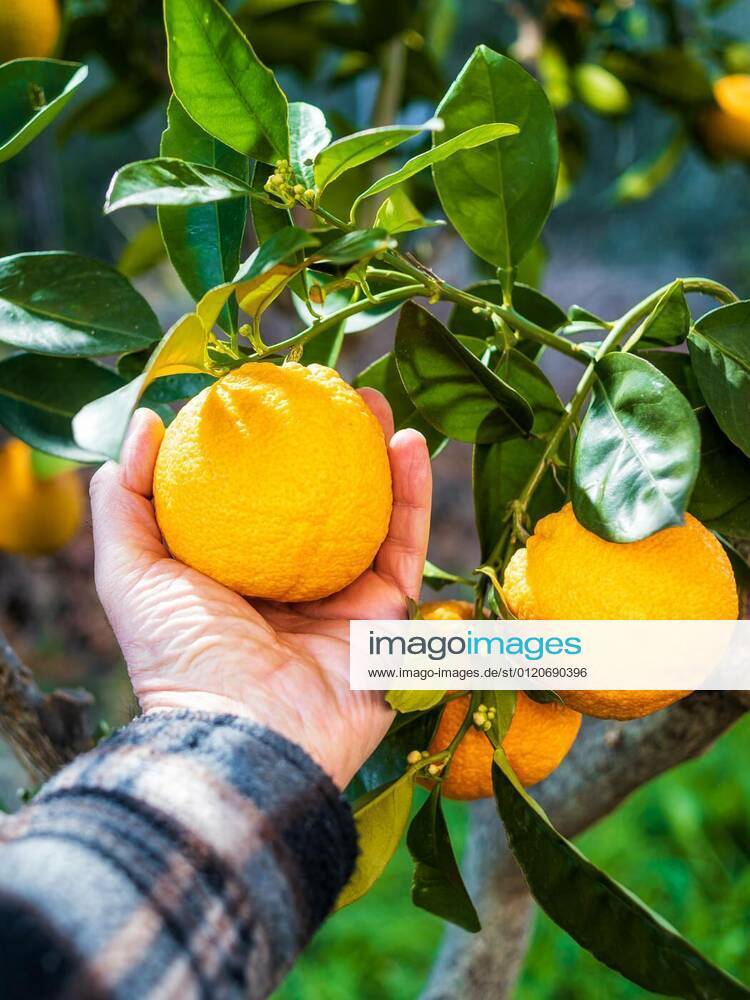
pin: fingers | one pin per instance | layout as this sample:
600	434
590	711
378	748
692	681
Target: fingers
380	407
401	557
126	535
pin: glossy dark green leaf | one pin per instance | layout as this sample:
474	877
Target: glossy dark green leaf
501	470
437	885
173	388
361	147
221	83
308	136
32	93
719	346
637	453
383	375
412	731
472	138
451	387
40	395
600	914
203	241
529	302
325	348
65	304
498	196
169	181
721	495
668	324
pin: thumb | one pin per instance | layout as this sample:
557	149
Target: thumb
126	536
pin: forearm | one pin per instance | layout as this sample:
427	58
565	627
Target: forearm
188	854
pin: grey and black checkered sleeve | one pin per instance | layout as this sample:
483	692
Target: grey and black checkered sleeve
189	855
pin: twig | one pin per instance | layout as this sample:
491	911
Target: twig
45	731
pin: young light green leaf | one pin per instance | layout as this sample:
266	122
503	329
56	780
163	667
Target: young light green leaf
203	241
451	387
600	914
32	93
498	196
361	147
637	453
221	83
470	139
719	346
398	214
169	181
437	886
504	704
414	701
380	819
40	395
65	304
357	245
308	136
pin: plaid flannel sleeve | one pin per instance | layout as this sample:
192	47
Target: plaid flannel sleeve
189	855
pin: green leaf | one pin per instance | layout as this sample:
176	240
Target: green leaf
357	245
529	302
380	820
308	136
501	470
719	345
438	578
40	395
65	304
504	703
398	214
325	348
721	495
451	387
498	196
637	453
668	324
598	913
383	375
169	181
472	138
221	83
203	241
32	93
414	701
437	885
361	147
264	275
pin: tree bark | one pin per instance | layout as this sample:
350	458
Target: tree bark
608	761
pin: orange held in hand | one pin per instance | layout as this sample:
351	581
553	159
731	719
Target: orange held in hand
537	741
37	516
28	29
275	481
567	572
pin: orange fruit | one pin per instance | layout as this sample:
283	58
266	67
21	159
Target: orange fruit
275	481
567	572
538	739
28	28
37	516
726	127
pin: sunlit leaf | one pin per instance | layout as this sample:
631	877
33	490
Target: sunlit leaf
33	92
398	214
169	181
308	136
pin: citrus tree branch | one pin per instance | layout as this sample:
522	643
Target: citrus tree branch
44	731
608	762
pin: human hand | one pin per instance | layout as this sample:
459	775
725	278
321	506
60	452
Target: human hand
191	643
